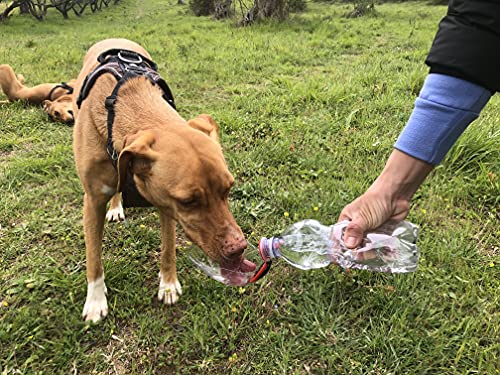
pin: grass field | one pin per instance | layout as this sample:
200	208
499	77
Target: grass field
309	110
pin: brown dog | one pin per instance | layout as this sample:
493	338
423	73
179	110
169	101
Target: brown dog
56	101
177	166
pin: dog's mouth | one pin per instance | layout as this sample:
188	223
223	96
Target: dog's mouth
235	272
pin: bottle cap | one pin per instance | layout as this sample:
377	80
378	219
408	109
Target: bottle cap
266	248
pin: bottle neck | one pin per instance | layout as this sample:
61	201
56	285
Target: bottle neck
268	248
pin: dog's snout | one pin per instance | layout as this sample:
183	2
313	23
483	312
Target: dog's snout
234	246
69	118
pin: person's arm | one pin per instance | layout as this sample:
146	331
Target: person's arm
445	107
387	199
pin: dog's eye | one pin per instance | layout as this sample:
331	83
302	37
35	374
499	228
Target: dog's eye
188	202
57	114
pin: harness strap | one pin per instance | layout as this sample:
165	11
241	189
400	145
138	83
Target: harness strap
109	103
62	85
88	83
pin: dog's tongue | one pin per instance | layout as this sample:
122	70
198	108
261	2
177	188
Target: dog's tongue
235	272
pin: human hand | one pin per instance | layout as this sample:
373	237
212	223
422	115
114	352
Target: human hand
370	211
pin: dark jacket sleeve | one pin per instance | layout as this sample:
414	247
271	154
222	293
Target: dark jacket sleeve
467	44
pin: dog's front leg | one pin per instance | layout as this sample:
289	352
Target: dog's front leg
96	305
170	288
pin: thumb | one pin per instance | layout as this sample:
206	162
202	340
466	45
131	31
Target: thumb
353	235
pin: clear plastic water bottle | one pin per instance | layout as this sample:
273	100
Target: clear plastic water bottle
309	244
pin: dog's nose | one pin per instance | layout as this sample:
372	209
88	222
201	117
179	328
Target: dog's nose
234	246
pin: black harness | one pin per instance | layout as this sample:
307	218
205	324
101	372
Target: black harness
62	85
124	65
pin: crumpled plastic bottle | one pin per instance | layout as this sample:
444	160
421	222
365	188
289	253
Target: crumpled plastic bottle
309	244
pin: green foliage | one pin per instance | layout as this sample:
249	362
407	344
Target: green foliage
309	110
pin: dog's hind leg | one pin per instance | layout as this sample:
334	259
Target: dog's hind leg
94	210
9	82
170	288
115	212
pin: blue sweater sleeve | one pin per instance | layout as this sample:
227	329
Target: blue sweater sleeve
445	107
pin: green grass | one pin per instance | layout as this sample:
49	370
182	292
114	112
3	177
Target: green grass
309	110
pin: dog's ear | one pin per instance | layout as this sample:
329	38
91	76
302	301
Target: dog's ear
137	156
45	105
207	125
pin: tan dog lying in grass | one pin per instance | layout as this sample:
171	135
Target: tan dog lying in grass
54	98
177	165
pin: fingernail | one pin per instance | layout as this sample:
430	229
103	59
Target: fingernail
350	241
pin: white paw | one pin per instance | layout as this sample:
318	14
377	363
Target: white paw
115	214
169	292
96	305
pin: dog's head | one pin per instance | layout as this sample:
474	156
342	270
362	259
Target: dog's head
60	109
184	174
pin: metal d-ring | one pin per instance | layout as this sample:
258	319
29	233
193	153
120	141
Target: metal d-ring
137	60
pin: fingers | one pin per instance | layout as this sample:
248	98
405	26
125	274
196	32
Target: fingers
368	212
353	235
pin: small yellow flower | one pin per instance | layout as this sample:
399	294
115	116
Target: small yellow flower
233	357
142	226
492	264
424	211
5	303
189	243
233	309
286	214
315	208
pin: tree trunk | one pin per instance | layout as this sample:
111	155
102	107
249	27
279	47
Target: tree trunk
24	8
222	9
265	9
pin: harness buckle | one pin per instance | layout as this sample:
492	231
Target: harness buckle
110	101
132	58
112	153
